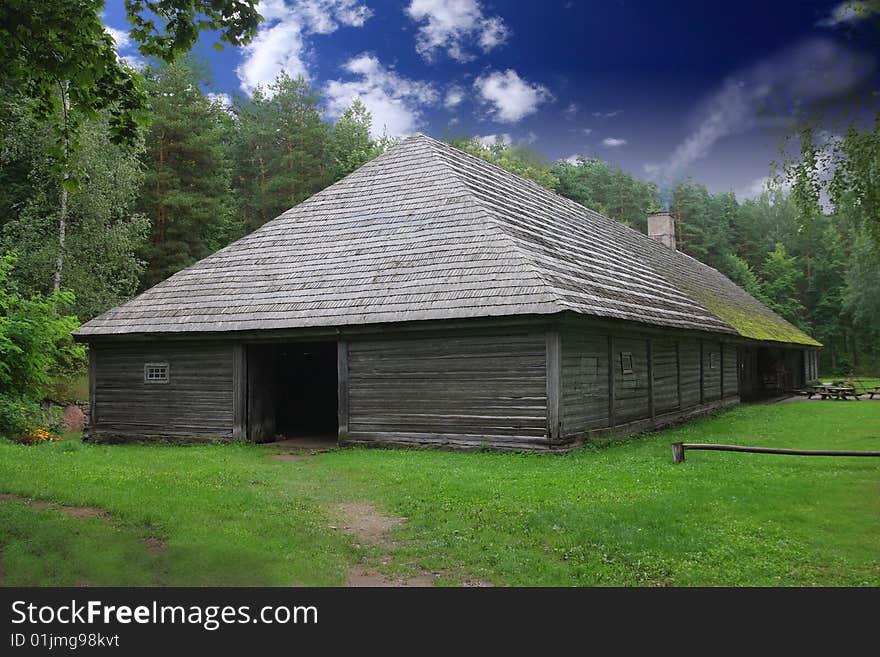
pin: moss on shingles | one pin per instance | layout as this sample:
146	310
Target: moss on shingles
751	318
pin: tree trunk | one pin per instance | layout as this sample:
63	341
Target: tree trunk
62	230
159	231
62	219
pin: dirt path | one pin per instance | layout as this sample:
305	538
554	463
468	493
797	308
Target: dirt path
369	526
153	544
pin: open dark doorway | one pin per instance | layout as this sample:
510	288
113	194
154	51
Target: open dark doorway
767	372
292	391
305	390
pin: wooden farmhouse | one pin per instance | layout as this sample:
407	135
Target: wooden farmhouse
431	297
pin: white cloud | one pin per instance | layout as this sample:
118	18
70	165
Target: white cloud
135	62
453	25
280	44
120	37
809	71
123	42
613	142
511	97
530	138
454	96
753	189
586	131
571	111
573	159
850	11
488	141
223	99
395	102
607	115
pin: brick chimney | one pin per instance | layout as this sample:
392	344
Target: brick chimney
661	227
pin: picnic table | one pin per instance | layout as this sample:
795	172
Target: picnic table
833	391
870	391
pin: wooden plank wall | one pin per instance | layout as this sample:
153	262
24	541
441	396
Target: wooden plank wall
261	392
711	370
731	384
665	375
794	363
597	393
689	352
468	385
584	380
197	400
630	387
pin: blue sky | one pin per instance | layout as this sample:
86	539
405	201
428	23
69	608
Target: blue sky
666	90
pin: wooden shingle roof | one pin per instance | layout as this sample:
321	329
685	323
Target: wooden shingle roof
426	231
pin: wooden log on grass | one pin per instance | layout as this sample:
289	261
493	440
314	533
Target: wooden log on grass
678	450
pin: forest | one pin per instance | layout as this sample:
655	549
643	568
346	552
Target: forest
205	173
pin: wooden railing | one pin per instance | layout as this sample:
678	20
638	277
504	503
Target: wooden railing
678	450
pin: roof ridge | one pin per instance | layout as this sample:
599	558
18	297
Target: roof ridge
489	219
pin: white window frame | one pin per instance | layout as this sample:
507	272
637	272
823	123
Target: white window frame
151	379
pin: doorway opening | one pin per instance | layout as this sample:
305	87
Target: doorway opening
292	391
767	372
305	390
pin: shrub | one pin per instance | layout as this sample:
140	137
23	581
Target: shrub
34	337
24	421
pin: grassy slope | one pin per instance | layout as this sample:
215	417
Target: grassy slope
620	515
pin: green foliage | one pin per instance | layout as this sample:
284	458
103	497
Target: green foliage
705	223
517	158
51	45
350	144
47	45
235	21
607	189
782	277
25	421
104	233
34	335
861	300
281	150
739	272
186	191
855	185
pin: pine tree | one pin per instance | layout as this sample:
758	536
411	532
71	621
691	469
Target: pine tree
350	143
281	154
782	276
186	192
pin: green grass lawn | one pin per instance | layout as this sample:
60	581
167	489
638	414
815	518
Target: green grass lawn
621	514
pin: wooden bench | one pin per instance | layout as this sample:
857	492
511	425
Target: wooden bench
825	391
874	390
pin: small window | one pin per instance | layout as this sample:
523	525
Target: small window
713	360
626	362
156	373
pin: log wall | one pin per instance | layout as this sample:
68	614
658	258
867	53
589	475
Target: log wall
584	380
196	401
460	389
626	380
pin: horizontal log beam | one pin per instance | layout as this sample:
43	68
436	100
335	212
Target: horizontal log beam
678	450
